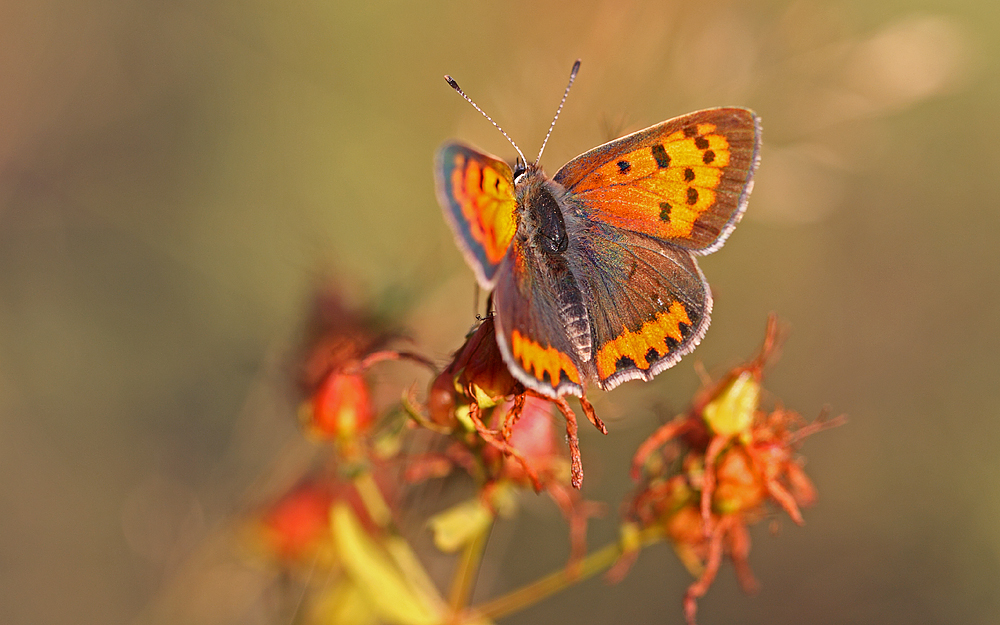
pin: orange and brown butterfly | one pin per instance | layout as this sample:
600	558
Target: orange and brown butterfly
593	270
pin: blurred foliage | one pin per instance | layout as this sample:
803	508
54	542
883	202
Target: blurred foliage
176	178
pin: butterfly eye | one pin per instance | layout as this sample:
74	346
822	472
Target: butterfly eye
519	169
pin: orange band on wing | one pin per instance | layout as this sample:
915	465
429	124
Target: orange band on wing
488	204
635	346
538	360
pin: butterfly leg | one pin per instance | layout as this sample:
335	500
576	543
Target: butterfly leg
513	416
575	461
588	409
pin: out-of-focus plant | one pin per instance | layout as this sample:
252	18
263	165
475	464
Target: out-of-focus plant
702	479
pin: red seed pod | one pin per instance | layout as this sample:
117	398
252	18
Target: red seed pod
341	407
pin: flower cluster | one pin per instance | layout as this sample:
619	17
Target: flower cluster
703	477
504	436
710	473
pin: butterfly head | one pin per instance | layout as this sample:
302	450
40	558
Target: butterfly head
520	168
524	174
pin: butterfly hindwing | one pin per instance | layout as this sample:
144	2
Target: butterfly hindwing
541	323
685	181
476	191
661	302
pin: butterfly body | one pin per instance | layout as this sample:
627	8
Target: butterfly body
540	219
593	270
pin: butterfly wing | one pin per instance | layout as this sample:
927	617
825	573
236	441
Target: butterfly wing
542	325
685	181
659	302
476	192
650	201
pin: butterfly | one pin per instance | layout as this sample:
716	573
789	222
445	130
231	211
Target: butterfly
593	271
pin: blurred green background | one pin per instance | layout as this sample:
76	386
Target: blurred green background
177	177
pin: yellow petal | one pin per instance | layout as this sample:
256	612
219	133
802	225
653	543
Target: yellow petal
731	411
383	586
345	604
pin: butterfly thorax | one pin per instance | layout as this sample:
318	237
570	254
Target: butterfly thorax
540	222
544	234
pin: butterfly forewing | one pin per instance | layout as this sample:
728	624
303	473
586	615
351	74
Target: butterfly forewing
476	191
685	181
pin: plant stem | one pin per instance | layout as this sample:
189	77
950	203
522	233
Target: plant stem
372	499
467	571
552	583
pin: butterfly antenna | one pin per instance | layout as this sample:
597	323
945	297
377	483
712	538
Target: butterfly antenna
454	85
572	77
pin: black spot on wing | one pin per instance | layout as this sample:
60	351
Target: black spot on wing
652	355
624	167
665	212
701	143
708	157
688	174
692	195
661	156
624	363
672	343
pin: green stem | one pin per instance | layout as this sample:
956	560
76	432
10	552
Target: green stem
372	499
557	581
468	568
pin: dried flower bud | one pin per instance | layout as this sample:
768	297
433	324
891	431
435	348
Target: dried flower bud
477	367
340	408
